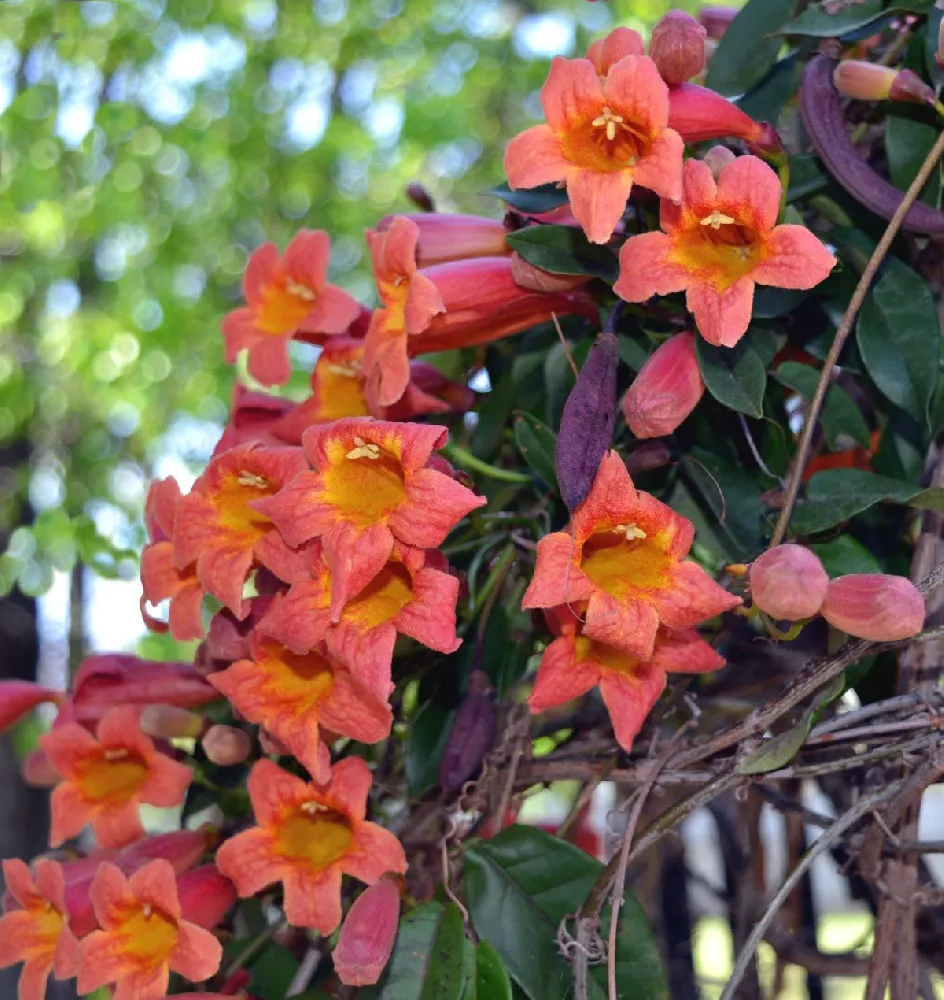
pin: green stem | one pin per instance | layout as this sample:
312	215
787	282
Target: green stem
784	172
254	947
468	461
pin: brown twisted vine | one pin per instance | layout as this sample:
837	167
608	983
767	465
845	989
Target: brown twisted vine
823	118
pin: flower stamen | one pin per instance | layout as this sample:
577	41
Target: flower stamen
252	479
609	120
346	368
631	531
311	808
299	290
117	753
364	449
716	220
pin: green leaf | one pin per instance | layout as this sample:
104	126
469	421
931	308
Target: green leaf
536	442
735	376
908	141
425	744
520	885
491	976
842	422
817	23
844	555
749	47
429	960
531	201
899	338
564	250
838	494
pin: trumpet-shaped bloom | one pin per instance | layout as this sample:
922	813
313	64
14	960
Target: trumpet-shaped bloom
255	416
601	137
407	596
308	836
699	114
574	663
106	779
372	485
286	296
143	936
626	560
292	694
19	697
718	244
219	528
35	929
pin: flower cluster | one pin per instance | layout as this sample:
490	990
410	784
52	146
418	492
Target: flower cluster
309	551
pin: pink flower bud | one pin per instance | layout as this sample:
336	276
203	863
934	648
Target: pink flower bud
717	158
182	848
788	582
868	81
874	606
443	238
529	276
666	390
648	456
677	47
368	933
226	745
205	895
37	771
167	722
420	197
715	18
19	697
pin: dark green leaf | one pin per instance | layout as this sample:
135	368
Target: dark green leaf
749	47
932	27
838	494
531	201
429	960
908	140
632	353
564	250
536	442
842	422
766	100
519	887
735	376
844	555
424	746
491	976
817	23
769	302
899	338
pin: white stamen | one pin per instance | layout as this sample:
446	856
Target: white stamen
299	290
608	120
252	479
716	220
364	449
313	807
146	910
348	369
116	754
631	531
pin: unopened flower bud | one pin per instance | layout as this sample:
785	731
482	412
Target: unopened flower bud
444	238
666	390
528	276
874	606
167	722
226	745
648	456
205	895
182	848
715	19
37	771
788	582
868	81
420	197
677	47
19	697
717	158
367	934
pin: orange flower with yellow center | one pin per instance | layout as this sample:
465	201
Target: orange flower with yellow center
292	694
219	529
35	929
372	485
718	244
407	596
602	135
625	559
630	687
286	297
308	836
143	937
106	779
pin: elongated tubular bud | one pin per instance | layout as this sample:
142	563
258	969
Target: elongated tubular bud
788	582
368	933
874	606
226	745
826	127
538	280
666	390
167	722
470	738
699	114
868	81
586	429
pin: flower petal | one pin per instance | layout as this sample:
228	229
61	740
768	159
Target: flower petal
722	317
198	953
374	851
557	579
248	860
685	652
349	786
661	170
692	598
630	697
561	676
167	782
118	825
313	900
612	497
645	269
598	200
70	814
796	259
430	617
263	263
306	258
749	190
572	93
628	625
156	882
635	89
534	157
268	361
270	788
437	503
